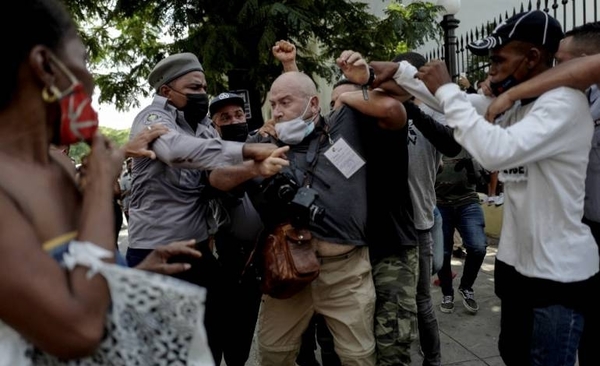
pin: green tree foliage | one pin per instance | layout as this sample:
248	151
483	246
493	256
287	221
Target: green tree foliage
119	137
233	38
78	151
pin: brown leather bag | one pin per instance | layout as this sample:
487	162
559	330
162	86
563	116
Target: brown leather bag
289	261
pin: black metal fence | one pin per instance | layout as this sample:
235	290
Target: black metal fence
570	13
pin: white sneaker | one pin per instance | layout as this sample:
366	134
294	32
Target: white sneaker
491	200
500	199
482	197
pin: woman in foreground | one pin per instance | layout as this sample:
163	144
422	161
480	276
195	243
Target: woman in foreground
64	297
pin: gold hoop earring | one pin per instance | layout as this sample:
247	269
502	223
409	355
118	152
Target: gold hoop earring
50	94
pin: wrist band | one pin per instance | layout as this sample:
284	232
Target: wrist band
372	77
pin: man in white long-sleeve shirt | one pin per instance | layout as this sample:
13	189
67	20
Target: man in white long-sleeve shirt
546	257
578	42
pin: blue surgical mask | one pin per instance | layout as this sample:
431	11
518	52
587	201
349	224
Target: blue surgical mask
292	132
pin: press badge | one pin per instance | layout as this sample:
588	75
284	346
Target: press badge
344	158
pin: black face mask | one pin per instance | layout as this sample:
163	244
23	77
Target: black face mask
235	132
195	109
502	86
510	81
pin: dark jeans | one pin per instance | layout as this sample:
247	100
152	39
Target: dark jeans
429	335
541	321
240	302
588	353
205	272
468	219
118	220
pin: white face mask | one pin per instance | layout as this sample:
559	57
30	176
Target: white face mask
292	132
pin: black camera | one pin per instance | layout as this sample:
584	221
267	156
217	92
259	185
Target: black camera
284	198
303	204
280	188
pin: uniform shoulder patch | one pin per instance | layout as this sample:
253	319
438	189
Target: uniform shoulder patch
152	117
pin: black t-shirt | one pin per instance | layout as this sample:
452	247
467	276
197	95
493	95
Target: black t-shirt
390	223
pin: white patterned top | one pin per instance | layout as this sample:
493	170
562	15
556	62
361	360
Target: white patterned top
154	319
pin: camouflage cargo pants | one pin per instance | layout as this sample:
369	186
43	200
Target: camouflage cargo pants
395	279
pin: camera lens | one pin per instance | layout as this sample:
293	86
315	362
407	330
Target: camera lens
286	193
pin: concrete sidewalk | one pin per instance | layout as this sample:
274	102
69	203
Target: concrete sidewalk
466	339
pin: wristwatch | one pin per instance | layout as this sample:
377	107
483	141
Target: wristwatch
365	87
372	77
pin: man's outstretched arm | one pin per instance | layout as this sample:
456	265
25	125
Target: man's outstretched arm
579	73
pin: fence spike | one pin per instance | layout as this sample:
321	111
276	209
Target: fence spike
555	8
573	13
564	11
529	6
522	10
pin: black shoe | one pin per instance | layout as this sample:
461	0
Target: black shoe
469	300
447	305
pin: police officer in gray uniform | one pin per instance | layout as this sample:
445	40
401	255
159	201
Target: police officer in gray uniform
165	198
234	242
167	201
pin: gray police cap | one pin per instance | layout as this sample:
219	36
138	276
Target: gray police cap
172	67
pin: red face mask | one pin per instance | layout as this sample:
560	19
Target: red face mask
79	120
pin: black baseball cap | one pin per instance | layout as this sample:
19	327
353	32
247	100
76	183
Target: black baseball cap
534	26
224	99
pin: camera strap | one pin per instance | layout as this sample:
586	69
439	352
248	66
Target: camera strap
312	155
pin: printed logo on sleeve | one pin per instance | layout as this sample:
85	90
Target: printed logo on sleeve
412	134
517	174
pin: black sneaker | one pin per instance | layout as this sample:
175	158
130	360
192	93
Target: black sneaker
447	305
469	300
